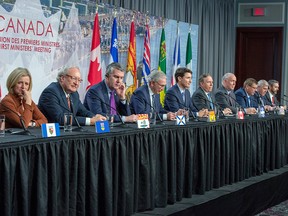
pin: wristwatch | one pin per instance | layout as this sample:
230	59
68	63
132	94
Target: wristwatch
33	123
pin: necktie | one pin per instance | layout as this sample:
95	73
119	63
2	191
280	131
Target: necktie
68	102
183	96
210	99
112	103
273	100
231	100
153	102
249	101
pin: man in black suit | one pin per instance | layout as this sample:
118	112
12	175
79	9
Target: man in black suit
99	96
224	95
62	97
270	96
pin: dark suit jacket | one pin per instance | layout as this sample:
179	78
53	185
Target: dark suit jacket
242	99
260	100
174	101
267	100
97	101
140	102
200	99
53	104
224	101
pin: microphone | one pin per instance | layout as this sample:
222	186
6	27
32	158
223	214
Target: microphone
244	96
238	105
152	107
79	127
179	102
217	106
25	130
118	114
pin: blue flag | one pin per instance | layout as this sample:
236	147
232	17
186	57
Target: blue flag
114	43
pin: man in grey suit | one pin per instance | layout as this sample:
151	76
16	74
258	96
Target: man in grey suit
224	95
203	98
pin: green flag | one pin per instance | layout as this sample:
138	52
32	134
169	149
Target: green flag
189	53
162	62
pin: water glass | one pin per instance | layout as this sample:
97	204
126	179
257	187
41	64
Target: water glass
2	125
152	118
110	119
68	119
186	113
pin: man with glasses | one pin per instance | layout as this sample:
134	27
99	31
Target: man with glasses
244	96
146	98
62	97
108	96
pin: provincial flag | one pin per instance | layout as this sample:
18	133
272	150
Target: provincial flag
131	72
189	53
50	130
162	62
147	55
95	74
176	57
114	43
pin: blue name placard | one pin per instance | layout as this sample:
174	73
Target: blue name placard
50	130
102	127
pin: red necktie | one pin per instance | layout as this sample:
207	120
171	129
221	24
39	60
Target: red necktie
69	102
273	100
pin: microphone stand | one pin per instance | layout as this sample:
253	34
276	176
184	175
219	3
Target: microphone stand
190	111
118	114
151	107
25	131
217	106
79	127
238	105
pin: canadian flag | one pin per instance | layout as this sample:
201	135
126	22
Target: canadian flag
95	73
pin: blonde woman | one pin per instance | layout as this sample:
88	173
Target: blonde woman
18	102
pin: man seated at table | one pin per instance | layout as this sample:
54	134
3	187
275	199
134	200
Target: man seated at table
262	88
146	98
244	96
224	95
178	96
62	97
270	96
108	96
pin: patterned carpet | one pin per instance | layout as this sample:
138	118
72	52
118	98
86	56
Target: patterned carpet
278	210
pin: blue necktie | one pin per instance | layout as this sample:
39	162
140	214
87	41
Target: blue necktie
249	101
183	96
209	98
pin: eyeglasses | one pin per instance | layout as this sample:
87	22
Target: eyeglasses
162	86
75	79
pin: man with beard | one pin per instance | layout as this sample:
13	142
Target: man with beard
270	96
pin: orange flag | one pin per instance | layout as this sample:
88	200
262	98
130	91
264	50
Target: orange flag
95	71
131	72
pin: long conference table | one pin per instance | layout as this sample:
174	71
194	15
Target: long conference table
129	169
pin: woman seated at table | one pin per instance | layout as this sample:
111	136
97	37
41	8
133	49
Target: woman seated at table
18	102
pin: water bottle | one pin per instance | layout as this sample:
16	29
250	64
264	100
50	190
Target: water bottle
261	111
